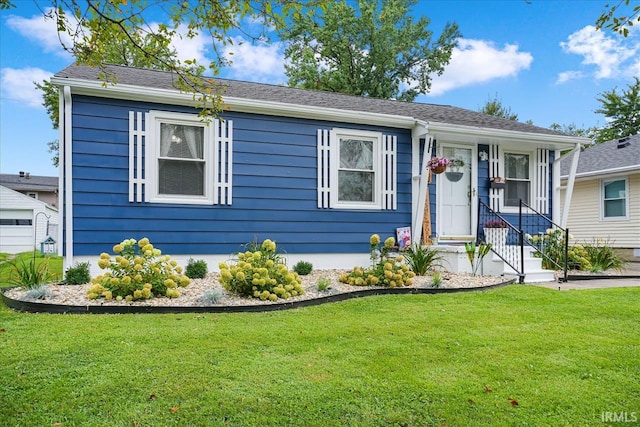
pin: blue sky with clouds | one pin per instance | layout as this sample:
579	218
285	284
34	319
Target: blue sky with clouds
543	59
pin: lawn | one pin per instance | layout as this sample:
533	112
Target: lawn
7	271
519	355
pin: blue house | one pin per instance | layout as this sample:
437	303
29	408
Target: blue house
317	172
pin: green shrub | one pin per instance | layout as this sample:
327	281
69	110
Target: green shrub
421	259
29	273
260	273
552	243
139	271
78	274
303	268
196	269
323	284
436	279
384	271
602	257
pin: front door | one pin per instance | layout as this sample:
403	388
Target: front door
456	194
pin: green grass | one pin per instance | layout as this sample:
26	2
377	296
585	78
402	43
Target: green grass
407	360
7	271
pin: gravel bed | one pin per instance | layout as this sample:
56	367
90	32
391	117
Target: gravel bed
195	295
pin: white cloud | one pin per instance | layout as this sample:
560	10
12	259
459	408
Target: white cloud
612	56
42	31
478	61
256	62
565	76
17	85
190	48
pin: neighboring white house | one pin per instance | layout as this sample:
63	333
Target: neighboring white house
606	195
25	222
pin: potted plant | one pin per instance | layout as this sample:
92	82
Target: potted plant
455	174
495	232
437	165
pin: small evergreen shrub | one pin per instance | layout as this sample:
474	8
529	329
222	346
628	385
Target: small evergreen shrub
138	271
260	274
303	268
384	271
196	269
323	284
78	274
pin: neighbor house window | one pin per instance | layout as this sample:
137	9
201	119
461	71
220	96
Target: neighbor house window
357	167
614	200
179	159
518	175
11	221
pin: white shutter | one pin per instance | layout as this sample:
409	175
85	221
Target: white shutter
223	159
494	171
541	183
324	188
389	172
137	139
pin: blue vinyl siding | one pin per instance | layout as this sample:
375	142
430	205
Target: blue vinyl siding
274	189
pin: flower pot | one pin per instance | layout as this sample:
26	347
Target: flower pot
439	169
454	176
496	236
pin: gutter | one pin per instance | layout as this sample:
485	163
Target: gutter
632	168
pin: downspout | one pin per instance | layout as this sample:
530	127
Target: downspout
419	179
569	188
66	172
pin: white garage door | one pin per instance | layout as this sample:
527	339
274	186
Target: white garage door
16	230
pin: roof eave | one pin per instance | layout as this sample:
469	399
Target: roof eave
557	142
144	94
602	172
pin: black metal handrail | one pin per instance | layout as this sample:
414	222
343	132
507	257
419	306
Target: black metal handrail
507	253
535	221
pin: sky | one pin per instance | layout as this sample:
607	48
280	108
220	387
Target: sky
543	59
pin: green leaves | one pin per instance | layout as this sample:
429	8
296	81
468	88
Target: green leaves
622	112
373	49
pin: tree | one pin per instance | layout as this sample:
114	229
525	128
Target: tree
369	48
94	25
622	112
574	130
619	23
494	107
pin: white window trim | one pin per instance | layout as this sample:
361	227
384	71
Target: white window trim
532	178
378	154
152	153
626	199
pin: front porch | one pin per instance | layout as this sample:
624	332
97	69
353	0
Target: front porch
455	260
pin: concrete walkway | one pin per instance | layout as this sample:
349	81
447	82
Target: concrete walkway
633	269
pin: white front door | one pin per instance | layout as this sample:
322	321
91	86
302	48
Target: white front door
456	194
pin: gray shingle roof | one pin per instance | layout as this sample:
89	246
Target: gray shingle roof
606	156
32	183
264	92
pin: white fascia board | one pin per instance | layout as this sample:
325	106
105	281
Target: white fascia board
168	96
613	171
500	135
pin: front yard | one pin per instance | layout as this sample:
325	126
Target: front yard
519	355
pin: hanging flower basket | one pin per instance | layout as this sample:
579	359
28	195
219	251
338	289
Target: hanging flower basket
438	169
437	165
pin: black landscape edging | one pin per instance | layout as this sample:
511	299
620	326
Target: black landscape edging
39	307
600	276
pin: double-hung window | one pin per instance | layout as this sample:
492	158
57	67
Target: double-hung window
614	199
356	167
517	171
179	159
